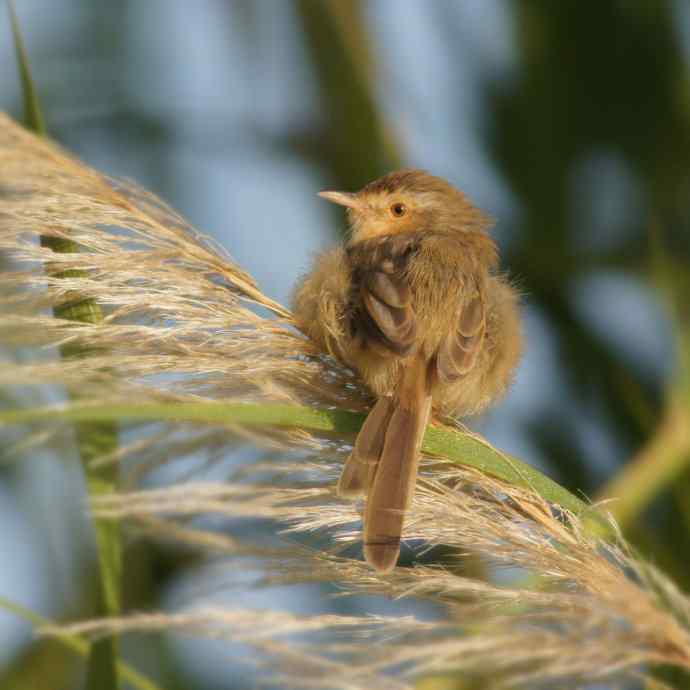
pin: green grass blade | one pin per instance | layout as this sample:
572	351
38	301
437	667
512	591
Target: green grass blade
78	645
33	115
452	445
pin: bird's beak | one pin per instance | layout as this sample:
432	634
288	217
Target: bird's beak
342	198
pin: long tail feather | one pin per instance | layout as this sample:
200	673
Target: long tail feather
367	450
395	475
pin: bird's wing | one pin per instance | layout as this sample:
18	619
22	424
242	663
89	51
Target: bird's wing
459	349
382	301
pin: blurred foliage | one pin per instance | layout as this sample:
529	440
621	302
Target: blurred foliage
606	78
353	143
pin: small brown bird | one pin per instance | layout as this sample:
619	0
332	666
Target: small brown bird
412	302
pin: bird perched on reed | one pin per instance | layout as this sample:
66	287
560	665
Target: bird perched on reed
415	304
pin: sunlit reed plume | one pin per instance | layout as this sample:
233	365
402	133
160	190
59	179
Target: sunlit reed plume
184	323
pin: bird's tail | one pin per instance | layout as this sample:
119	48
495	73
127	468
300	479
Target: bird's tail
367	450
385	460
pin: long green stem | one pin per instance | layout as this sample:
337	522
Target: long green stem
93	438
452	445
655	467
78	645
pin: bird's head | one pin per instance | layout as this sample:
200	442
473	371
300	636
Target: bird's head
406	201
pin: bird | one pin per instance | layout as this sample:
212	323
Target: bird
415	303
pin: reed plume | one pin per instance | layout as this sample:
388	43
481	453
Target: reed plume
183	323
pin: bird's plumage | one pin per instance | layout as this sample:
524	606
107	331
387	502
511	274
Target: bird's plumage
413	302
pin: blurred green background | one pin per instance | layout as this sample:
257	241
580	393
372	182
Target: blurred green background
568	121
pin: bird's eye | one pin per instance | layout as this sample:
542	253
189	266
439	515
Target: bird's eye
398	210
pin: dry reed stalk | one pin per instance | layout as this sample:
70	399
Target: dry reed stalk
174	302
595	612
181	324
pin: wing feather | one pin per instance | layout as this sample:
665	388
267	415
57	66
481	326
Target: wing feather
458	353
382	297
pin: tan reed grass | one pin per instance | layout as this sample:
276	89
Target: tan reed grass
183	322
